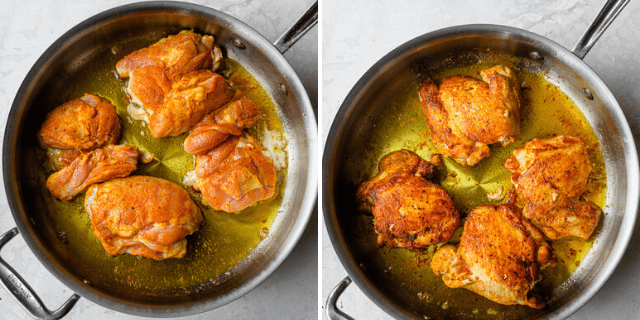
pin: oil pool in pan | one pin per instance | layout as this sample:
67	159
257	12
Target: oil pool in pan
224	239
546	112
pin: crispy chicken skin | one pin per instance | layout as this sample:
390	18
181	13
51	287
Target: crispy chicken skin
217	126
499	256
84	123
409	211
98	165
142	215
176	55
172	108
551	175
235	175
466	114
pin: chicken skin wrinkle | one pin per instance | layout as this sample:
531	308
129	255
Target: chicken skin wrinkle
499	256
175	55
98	165
84	123
551	175
172	108
217	126
143	216
234	175
466	114
409	211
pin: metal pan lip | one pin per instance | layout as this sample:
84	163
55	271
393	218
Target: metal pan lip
11	181
572	61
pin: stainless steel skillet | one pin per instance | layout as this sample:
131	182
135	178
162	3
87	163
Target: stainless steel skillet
68	56
367	100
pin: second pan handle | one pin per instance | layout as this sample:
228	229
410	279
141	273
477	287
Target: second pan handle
607	14
332	311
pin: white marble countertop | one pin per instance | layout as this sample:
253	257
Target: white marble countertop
27	28
357	34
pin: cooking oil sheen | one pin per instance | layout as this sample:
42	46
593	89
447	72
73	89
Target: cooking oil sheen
546	112
224	239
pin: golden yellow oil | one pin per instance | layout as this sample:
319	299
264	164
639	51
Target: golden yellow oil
546	112
224	239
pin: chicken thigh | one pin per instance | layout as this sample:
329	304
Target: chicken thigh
98	165
172	108
80	124
215	127
409	211
499	256
466	114
175	55
551	175
142	215
234	175
172	84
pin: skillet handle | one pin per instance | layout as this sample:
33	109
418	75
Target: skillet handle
607	14
23	293
298	29
333	313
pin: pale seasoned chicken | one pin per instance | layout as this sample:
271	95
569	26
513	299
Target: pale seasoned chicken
409	211
234	175
80	124
98	165
551	175
176	55
215	127
466	114
499	256
172	84
172	108
142	215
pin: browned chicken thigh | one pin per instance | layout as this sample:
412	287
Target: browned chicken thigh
98	165
143	216
499	256
234	175
80	124
551	175
409	211
466	114
215	127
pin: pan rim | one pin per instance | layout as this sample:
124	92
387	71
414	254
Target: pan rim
328	206
297	228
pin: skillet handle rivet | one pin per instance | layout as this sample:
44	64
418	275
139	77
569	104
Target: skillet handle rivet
587	93
87	282
284	89
535	55
238	44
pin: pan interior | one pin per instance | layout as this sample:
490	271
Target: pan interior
403	281
209	278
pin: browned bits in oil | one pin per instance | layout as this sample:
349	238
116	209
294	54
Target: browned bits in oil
62	235
264	232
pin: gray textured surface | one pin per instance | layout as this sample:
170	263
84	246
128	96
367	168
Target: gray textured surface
27	28
357	34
